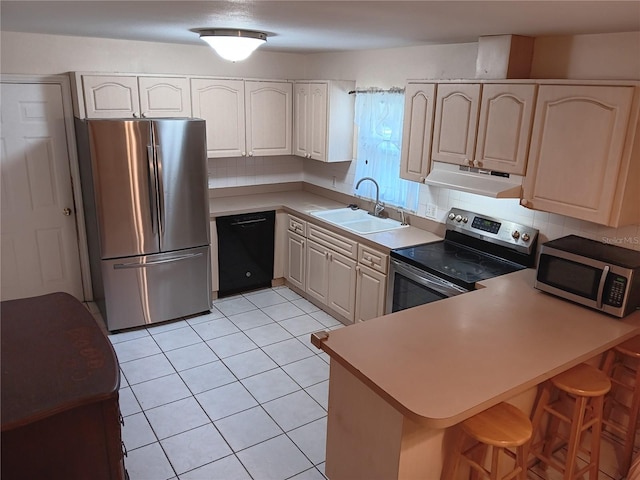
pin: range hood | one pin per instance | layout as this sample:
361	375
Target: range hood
475	180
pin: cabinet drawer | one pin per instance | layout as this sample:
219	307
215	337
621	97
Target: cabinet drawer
331	240
372	258
297	225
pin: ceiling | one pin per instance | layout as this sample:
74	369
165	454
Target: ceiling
321	26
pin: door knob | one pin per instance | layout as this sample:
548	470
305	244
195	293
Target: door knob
66	212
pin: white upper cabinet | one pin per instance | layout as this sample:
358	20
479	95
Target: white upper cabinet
456	120
323	120
221	104
484	126
268	115
415	160
244	118
126	96
504	125
584	159
164	97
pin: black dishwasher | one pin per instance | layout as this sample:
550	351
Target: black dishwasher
245	252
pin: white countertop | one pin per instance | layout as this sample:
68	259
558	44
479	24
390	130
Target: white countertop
445	361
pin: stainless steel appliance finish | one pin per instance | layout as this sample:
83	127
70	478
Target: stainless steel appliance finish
600	276
475	248
147	210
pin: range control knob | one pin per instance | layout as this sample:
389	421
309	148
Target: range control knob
515	234
452	216
525	237
465	219
458	218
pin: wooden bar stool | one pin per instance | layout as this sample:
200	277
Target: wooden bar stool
502	426
580	395
621	365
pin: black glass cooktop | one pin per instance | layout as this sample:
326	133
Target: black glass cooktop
455	263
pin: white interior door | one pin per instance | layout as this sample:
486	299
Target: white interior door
39	249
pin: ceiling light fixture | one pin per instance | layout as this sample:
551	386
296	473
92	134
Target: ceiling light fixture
233	45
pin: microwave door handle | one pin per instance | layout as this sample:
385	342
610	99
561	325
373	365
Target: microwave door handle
603	279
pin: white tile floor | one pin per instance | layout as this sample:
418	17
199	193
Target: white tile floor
239	393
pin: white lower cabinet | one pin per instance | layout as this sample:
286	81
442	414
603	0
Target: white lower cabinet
342	285
295	270
371	290
371	283
335	271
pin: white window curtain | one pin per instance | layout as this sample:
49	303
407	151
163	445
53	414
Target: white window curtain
379	117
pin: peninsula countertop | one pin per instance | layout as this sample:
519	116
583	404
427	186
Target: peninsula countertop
445	361
301	203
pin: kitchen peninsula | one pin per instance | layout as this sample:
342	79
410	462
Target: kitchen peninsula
398	383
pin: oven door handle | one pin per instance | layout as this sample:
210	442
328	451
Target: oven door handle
603	279
427	279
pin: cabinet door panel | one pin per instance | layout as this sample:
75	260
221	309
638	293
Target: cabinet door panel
295	272
301	118
371	287
342	285
110	96
164	97
506	113
269	112
221	104
417	131
317	271
576	150
455	125
318	121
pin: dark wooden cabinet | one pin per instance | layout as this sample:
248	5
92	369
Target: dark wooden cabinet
60	380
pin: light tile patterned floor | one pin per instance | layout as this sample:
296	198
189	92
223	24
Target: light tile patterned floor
239	393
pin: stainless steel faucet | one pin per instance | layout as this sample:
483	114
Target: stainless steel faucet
377	210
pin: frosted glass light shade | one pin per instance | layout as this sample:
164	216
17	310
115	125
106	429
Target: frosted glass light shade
233	45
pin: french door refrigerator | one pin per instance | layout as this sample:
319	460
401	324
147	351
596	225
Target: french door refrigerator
145	193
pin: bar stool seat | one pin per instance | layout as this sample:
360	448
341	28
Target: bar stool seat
580	394
621	365
502	426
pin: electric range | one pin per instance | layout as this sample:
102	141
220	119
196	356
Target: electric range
476	247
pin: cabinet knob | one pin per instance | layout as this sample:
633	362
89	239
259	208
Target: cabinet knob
66	212
244	154
477	163
422	179
468	162
135	115
524	202
251	154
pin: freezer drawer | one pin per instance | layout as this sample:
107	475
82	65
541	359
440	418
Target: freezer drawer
153	288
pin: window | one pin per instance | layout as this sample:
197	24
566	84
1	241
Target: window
379	122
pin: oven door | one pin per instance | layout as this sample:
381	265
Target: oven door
410	286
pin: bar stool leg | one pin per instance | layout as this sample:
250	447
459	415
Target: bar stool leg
574	436
495	463
597	404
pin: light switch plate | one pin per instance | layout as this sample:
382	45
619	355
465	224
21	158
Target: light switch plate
432	211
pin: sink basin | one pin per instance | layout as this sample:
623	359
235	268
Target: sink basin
358	221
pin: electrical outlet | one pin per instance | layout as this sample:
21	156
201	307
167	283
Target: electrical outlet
432	211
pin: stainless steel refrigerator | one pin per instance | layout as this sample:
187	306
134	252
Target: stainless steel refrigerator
145	193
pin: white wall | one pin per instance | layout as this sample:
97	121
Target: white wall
609	56
25	53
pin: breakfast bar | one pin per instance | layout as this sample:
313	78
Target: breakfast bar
399	383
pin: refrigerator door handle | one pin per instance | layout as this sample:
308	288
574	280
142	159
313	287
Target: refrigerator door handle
152	189
119	266
161	219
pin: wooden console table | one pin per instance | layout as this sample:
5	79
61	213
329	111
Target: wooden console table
60	380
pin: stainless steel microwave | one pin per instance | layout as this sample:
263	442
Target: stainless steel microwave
598	275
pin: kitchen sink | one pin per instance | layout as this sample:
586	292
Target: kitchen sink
358	221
